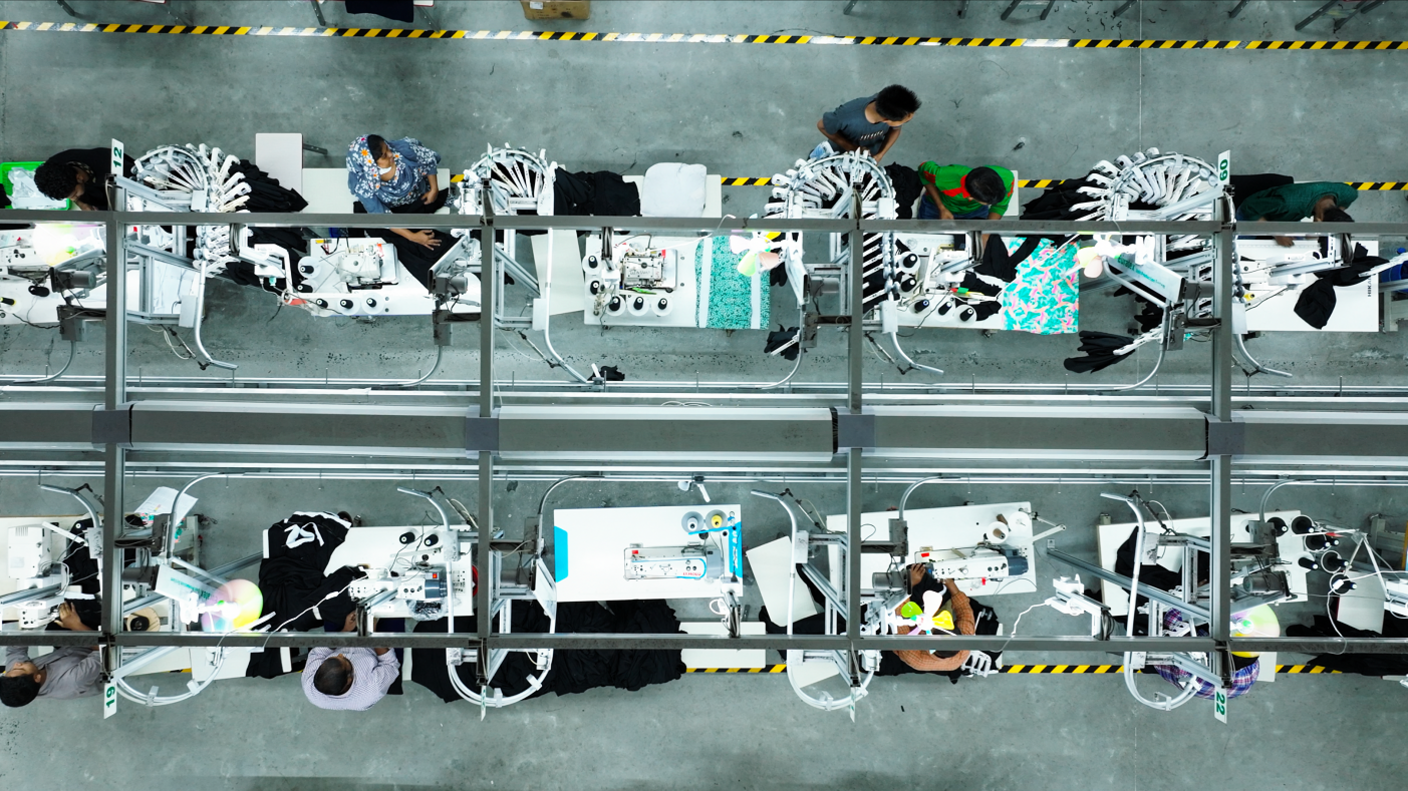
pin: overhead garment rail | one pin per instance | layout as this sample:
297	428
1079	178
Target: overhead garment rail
699	38
746	435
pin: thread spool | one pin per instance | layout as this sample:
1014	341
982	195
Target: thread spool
1340	584
346	304
1332	561
921	305
1278	525
1318	541
591	264
595	287
967	313
909	262
1307	562
1302	525
616	305
908	283
692	522
714	519
638	305
998	533
662	306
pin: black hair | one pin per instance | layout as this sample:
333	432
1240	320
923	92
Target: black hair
334	676
985	185
945	654
16	691
1336	214
56	180
1242	662
896	103
376	144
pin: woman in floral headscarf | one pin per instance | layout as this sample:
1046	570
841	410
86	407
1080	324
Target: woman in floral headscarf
398	177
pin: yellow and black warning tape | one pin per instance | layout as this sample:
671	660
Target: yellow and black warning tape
1042	670
699	38
766	181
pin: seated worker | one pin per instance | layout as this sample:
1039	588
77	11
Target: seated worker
350	679
870	122
399	177
68	672
955	192
1245	669
80	175
1322	201
927	594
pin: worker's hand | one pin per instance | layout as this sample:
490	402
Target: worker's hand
68	618
431	194
944	213
1284	241
916	574
425	239
349	624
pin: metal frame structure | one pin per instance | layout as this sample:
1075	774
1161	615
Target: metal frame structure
839	433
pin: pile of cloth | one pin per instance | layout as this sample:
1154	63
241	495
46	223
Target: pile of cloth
575	670
267	195
294	583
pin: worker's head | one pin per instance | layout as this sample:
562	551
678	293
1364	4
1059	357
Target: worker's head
376	146
1327	209
1335	214
20	684
896	104
984	185
60	180
334	676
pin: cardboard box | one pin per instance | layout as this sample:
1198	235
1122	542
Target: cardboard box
557	9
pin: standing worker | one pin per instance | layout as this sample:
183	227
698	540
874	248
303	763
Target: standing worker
870	122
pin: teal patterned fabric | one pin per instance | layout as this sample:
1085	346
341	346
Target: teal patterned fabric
728	300
1043	298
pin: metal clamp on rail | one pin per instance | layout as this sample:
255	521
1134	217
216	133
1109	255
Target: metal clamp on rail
113	426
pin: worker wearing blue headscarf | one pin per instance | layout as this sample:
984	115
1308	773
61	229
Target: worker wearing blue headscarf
395	176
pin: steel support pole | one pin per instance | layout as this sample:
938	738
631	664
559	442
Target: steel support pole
855	383
114	454
488	286
1220	465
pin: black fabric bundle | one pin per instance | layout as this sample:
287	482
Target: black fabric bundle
594	193
292	580
1099	348
783	336
399	10
908	188
1317	301
1363	664
574	670
267	195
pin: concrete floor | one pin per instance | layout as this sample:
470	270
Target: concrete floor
741	112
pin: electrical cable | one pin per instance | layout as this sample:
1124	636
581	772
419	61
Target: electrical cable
72	352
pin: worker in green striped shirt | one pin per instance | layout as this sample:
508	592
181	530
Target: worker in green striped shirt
956	192
1322	201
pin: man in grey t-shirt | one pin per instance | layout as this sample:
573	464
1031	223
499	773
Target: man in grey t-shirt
69	672
870	122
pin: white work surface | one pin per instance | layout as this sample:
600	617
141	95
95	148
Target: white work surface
723	657
943	528
1110	537
280	154
378	546
568	281
713	193
771	565
326	191
589	546
1356	306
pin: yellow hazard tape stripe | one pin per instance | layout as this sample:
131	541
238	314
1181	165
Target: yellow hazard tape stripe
1042	670
766	181
702	38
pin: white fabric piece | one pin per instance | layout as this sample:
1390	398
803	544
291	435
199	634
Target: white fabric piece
673	189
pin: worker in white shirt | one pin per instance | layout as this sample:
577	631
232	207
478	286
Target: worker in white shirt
350	679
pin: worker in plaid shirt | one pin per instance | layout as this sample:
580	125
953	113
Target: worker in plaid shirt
1244	673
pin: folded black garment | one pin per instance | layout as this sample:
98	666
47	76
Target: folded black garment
781	337
1099	348
908	188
